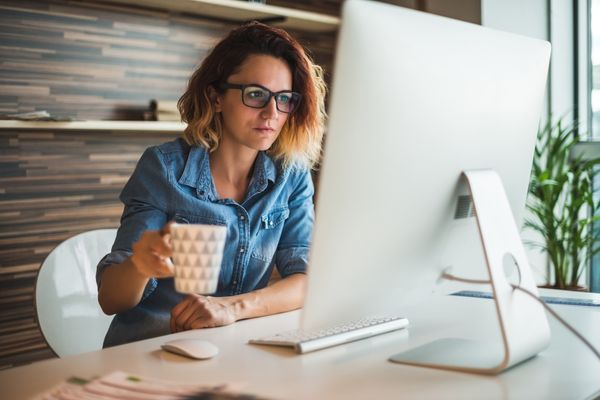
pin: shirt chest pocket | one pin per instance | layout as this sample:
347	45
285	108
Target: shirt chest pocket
269	233
273	219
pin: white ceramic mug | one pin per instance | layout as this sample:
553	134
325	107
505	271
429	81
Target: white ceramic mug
197	256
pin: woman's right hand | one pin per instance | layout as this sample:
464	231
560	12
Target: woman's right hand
152	252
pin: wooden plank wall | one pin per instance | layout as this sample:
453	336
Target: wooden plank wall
86	61
99	61
95	62
53	185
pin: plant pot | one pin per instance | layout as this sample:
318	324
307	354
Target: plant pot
574	288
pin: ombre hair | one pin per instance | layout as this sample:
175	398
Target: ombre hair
299	142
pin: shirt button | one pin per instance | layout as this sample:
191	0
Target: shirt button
271	223
242	217
235	282
242	250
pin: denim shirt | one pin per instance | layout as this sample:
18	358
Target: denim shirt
173	182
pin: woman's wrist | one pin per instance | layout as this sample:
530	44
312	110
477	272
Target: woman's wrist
240	306
135	272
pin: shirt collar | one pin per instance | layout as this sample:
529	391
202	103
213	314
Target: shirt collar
197	174
264	171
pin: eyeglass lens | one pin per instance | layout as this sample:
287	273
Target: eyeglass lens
257	97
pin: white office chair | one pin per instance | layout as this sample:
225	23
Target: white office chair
66	295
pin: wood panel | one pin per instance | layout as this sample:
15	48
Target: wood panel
89	61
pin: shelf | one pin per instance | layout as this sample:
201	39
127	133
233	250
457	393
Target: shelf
121	126
242	11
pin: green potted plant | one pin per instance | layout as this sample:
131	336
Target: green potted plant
562	204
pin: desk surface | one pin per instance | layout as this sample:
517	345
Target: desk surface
359	370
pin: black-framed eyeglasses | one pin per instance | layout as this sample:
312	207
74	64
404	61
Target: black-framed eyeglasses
257	96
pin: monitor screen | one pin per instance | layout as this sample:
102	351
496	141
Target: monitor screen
416	99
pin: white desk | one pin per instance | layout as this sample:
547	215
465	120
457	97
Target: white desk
359	370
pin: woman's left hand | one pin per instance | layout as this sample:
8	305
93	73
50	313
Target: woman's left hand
196	311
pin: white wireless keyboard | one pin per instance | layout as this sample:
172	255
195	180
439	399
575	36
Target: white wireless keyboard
306	341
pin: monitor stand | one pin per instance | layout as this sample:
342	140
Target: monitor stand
523	324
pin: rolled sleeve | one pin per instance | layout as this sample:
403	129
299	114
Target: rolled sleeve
296	261
117	257
294	245
114	257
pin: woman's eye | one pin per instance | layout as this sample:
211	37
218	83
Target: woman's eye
284	98
256	94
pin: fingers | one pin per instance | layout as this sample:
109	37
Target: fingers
191	309
201	323
163	267
175	311
158	243
149	262
197	311
178	309
152	252
166	229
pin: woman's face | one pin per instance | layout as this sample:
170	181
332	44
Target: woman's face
254	128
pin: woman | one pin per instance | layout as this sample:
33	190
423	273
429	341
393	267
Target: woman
255	115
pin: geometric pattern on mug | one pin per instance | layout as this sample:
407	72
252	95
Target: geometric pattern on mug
191	272
195	286
200	233
197	255
198	247
182	259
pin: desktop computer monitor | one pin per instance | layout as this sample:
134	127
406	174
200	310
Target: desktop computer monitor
416	100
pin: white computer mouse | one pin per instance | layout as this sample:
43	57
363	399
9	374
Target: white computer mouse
193	348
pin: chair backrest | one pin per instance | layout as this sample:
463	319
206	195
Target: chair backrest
66	295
